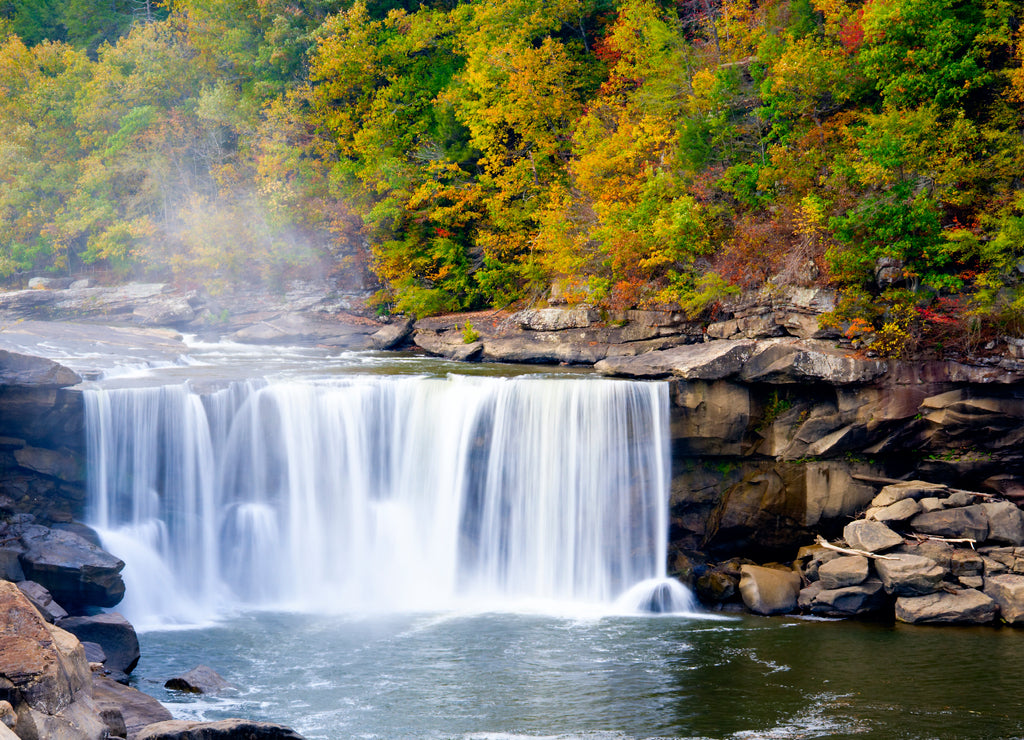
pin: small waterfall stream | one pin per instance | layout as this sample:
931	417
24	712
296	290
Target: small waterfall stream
384	493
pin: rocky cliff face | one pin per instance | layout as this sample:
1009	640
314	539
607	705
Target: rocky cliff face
777	439
42	439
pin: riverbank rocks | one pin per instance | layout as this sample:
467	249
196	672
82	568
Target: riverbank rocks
225	729
871	536
769	590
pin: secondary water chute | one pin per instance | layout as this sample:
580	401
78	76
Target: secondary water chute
383	492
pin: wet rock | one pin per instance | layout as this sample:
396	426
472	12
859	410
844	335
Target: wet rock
716	586
909	575
41	599
76	572
967	606
968	522
61	463
1007	591
844	571
200	680
113	633
1005	523
807	596
767	590
137	710
225	729
862	598
871	536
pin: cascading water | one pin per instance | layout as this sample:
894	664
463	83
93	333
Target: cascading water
384	493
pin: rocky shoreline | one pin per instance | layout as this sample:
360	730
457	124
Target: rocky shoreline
779	437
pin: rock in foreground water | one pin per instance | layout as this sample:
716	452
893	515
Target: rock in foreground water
225	729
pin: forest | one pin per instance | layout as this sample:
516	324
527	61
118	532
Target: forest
459	154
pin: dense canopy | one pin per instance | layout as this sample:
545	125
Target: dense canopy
455	155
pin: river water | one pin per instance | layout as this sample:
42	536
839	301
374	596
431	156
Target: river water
494	676
463	622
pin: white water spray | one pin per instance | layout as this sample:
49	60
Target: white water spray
384	493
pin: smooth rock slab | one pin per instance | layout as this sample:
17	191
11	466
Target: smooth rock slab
767	590
137	709
968	606
843	571
225	729
42	601
897	512
871	536
1007	591
910	575
911	489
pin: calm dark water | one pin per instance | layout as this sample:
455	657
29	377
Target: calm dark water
492	676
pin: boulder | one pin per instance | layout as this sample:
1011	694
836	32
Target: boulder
843	571
910	489
706	361
225	729
200	680
37	372
805	600
900	511
393	335
909	575
113	633
41	599
788	361
1005	523
94	652
768	590
1007	591
967	606
62	464
863	598
864	534
137	710
44	674
968	522
76	572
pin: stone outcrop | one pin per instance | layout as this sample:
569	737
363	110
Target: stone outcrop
77	573
966	606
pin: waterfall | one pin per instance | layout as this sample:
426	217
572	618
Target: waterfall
381	492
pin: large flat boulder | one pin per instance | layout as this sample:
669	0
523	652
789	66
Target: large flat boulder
844	571
967	606
1005	523
909	575
77	573
706	361
864	598
768	590
37	372
136	710
225	729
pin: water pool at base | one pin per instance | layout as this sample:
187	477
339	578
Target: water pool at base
493	676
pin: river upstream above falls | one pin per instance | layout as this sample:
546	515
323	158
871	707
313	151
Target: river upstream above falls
469	617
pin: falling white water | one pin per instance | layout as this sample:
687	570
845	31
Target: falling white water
381	493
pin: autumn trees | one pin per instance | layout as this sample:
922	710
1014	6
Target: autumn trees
617	152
